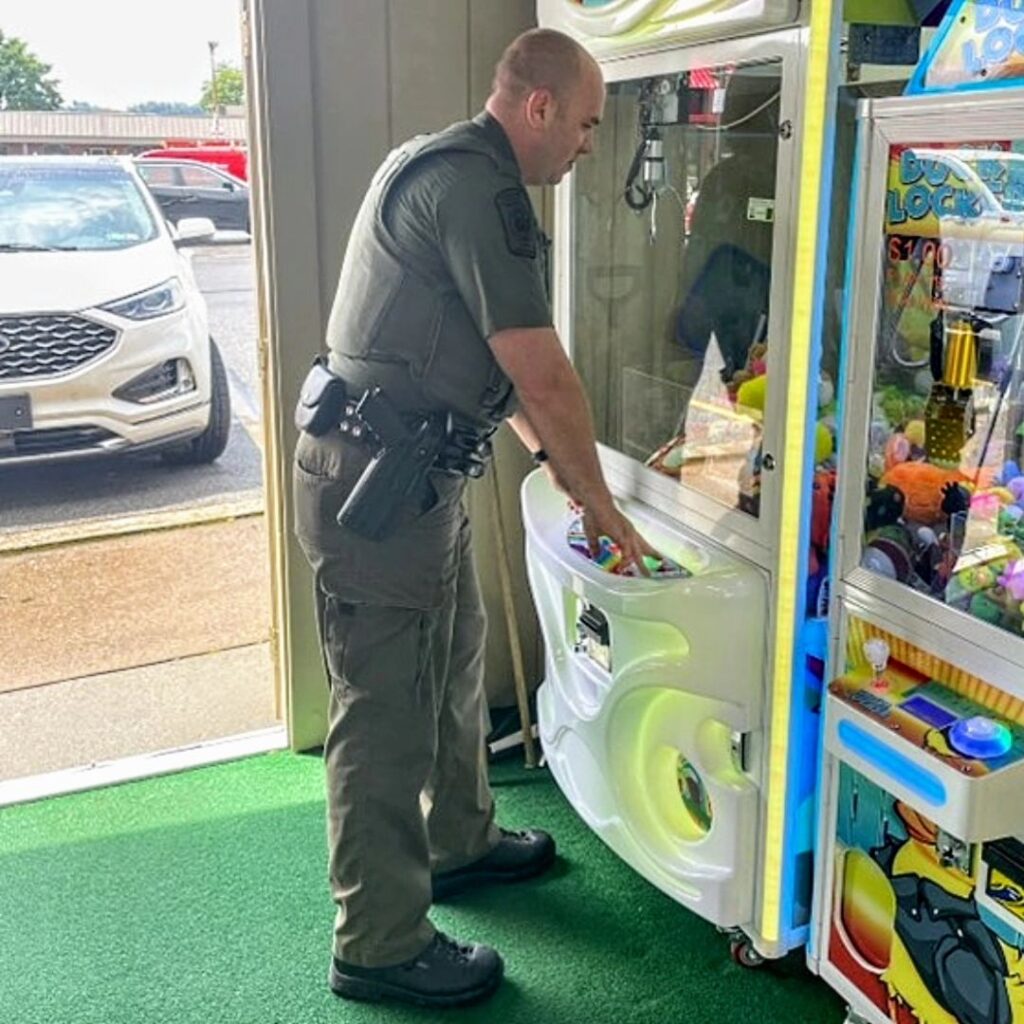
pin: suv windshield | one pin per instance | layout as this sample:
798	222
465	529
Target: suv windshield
64	207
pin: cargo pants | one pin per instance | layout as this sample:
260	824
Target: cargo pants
402	629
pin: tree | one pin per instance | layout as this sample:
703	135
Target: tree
230	88
24	84
168	109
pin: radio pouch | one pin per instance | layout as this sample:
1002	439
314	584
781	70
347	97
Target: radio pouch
321	400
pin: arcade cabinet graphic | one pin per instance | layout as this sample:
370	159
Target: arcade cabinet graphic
920	936
923	913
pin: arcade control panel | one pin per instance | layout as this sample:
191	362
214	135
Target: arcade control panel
948	726
955	758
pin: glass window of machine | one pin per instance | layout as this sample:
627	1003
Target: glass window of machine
674	220
944	510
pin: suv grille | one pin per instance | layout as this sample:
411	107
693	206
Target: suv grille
44	346
63	439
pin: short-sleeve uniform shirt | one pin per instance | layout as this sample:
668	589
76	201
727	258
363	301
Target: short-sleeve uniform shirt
457	215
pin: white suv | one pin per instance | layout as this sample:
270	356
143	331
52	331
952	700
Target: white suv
104	345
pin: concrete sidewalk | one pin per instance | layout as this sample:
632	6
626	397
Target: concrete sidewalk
135	712
113	603
129	644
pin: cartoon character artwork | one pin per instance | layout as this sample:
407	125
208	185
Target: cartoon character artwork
911	926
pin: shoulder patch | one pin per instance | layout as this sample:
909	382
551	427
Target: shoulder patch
517	220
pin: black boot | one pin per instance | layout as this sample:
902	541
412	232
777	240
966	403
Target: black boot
444	974
518	856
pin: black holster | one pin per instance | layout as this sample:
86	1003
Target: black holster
398	470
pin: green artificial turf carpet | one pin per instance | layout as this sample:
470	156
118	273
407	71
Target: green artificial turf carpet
201	898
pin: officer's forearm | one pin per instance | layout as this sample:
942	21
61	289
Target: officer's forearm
559	416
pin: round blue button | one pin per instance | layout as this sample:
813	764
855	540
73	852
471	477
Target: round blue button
981	738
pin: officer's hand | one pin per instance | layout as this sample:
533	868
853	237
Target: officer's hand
613	524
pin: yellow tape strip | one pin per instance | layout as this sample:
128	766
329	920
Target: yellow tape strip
815	111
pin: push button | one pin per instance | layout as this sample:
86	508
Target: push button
981	738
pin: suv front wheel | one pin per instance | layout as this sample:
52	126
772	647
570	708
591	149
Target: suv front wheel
210	444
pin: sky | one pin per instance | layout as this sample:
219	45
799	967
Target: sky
117	52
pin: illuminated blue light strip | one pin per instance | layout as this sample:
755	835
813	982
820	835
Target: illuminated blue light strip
892	763
853	242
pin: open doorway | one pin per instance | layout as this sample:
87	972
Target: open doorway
135	580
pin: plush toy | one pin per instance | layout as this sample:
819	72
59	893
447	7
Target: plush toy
1002	496
1013	580
928	556
885	507
1010	519
955	498
889	552
822	498
750	399
897	450
826	392
824	444
987	607
922	486
1011	471
758	359
915	433
977	578
756	366
823	492
751	396
899	407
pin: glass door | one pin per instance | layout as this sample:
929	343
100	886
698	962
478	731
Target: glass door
675	318
937	400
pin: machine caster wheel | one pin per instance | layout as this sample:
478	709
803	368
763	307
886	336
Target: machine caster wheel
743	953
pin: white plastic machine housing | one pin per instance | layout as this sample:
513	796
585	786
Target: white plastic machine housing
686	682
973	808
626	26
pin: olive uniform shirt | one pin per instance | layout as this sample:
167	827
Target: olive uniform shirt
455	215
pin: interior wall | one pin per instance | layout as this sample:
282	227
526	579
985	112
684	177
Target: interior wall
335	84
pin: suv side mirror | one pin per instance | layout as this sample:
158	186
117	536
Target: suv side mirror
193	230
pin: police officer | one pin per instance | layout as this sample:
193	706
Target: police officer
442	304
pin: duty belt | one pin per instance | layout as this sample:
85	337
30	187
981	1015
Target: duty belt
465	449
372	420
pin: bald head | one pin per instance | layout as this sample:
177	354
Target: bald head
548	95
540	59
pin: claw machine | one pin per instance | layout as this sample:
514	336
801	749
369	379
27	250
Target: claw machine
919	907
680	715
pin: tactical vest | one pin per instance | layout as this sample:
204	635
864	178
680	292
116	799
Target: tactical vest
398	327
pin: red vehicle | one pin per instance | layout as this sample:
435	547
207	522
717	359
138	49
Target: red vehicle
233	159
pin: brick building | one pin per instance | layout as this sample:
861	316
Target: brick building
68	131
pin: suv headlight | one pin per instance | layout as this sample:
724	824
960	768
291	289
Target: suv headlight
165	298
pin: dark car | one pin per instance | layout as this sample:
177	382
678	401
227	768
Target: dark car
188	188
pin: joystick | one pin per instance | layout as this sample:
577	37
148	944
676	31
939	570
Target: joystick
876	651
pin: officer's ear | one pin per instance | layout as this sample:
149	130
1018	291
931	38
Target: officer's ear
540	109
